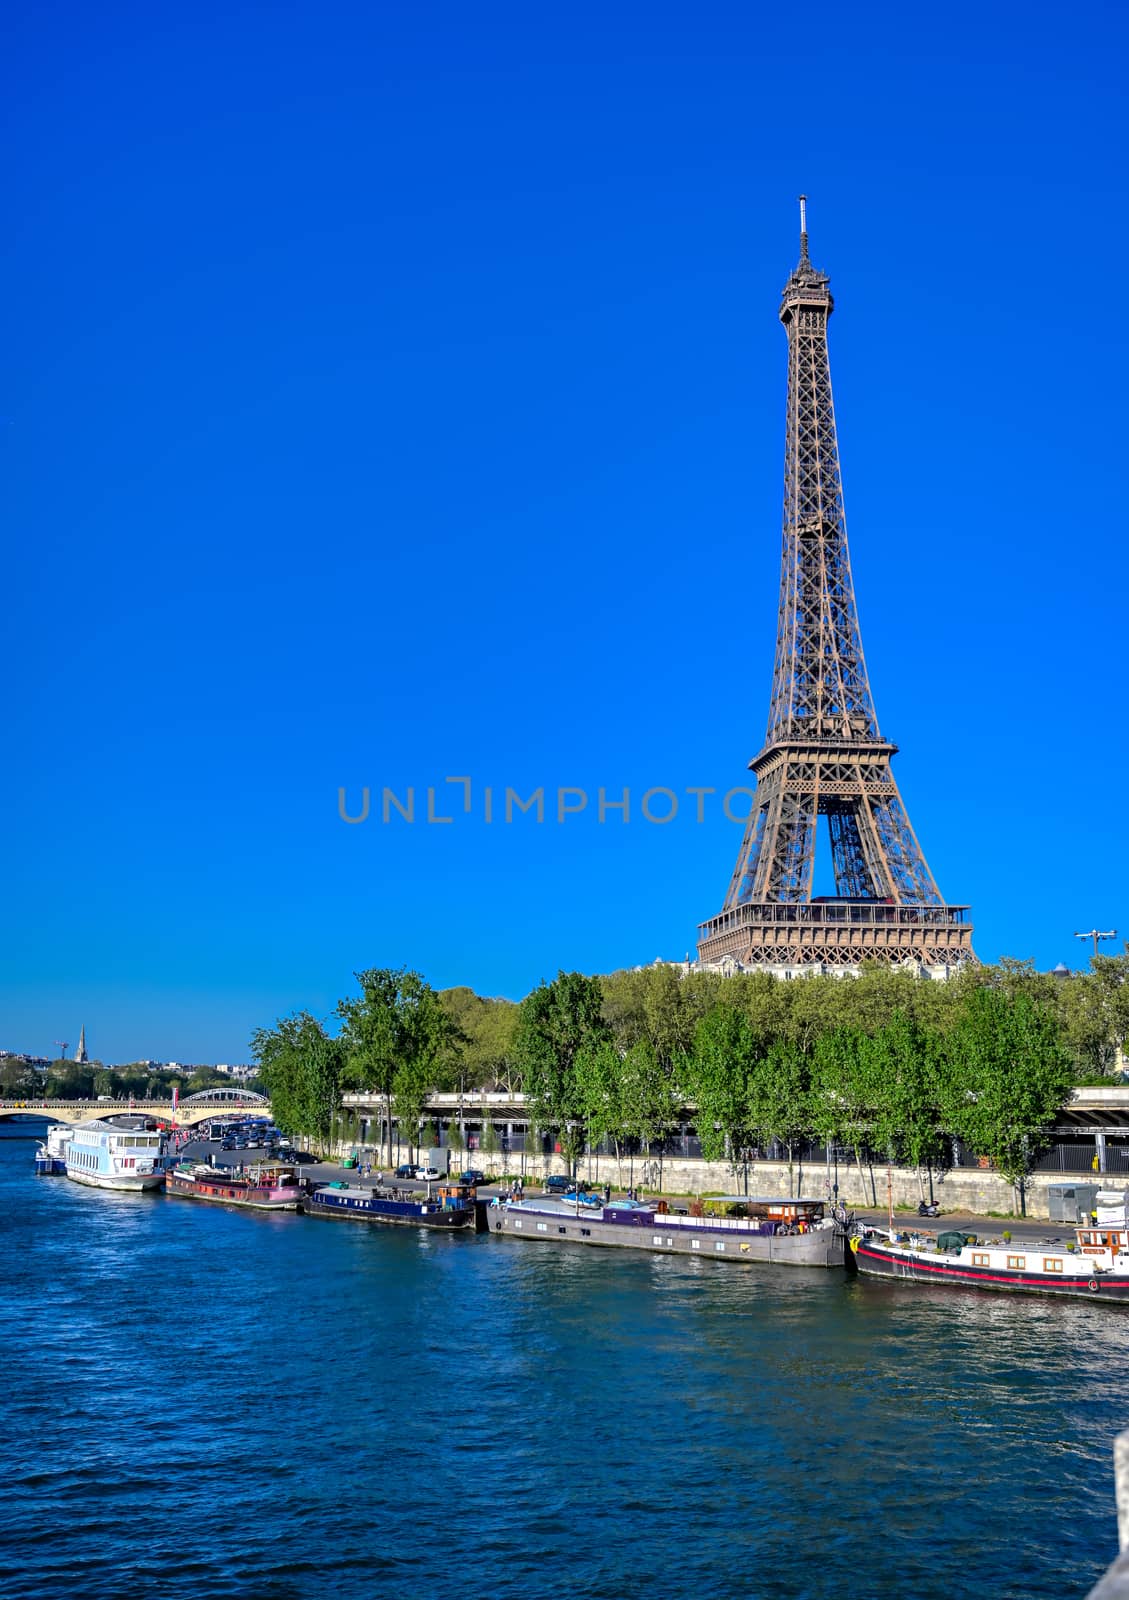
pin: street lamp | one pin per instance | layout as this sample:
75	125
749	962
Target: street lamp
1095	936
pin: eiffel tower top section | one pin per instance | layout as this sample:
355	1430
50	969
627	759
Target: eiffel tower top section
820	690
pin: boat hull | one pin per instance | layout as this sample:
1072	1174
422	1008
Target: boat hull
877	1260
670	1235
124	1182
352	1205
48	1166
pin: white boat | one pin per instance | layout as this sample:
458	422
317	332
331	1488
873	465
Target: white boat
1094	1265
106	1157
51	1156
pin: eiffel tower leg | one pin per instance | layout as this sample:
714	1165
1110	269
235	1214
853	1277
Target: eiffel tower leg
787	850
912	879
745	872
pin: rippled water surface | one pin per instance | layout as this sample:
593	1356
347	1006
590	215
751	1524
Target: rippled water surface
209	1403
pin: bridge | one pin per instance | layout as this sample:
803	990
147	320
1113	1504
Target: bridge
192	1109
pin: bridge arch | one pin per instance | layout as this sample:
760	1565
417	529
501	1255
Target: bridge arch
195	1108
238	1097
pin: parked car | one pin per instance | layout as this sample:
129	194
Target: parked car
427	1174
472	1175
405	1171
557	1183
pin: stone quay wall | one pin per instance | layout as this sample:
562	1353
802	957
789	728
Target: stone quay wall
979	1191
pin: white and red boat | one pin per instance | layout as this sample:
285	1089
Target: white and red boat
1094	1265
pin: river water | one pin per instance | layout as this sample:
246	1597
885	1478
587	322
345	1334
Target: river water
212	1403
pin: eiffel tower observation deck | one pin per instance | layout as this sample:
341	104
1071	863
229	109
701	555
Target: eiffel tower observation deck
823	754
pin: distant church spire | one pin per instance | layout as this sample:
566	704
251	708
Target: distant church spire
80	1054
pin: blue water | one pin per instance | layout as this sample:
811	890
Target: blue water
207	1403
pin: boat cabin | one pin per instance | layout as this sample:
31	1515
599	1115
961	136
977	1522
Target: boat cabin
1109	1229
768	1208
1097	1241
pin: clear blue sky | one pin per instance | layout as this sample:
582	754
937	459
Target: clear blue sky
396	392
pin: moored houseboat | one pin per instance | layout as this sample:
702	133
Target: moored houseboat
453	1206
107	1157
1093	1266
795	1233
51	1155
263	1187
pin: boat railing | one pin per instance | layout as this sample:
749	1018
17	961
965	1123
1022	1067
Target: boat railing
733	1224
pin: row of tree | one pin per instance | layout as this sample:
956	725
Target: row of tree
901	1091
883	1062
85	1080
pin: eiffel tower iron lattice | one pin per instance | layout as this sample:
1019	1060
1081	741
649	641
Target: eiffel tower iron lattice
823	753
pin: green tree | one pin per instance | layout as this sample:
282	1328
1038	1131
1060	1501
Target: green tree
397	1040
301	1066
1008	1078
202	1078
649	1101
718	1077
778	1099
19	1080
556	1022
658	1006
598	1085
1093	1012
69	1080
845	1092
908	1095
482	1039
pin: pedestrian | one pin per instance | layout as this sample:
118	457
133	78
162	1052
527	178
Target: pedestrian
607	1194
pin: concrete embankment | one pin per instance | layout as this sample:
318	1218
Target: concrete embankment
973	1190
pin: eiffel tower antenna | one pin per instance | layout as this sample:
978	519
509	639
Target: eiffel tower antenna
824	755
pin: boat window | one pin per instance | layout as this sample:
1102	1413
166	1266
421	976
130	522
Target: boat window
1052	1263
719	1244
1017	1261
542	1227
980	1258
695	1244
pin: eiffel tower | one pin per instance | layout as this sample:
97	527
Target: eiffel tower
823	754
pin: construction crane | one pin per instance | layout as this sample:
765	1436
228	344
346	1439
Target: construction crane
63	1047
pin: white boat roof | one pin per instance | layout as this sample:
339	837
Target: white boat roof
95	1126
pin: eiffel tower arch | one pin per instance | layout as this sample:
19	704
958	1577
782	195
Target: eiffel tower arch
823	755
